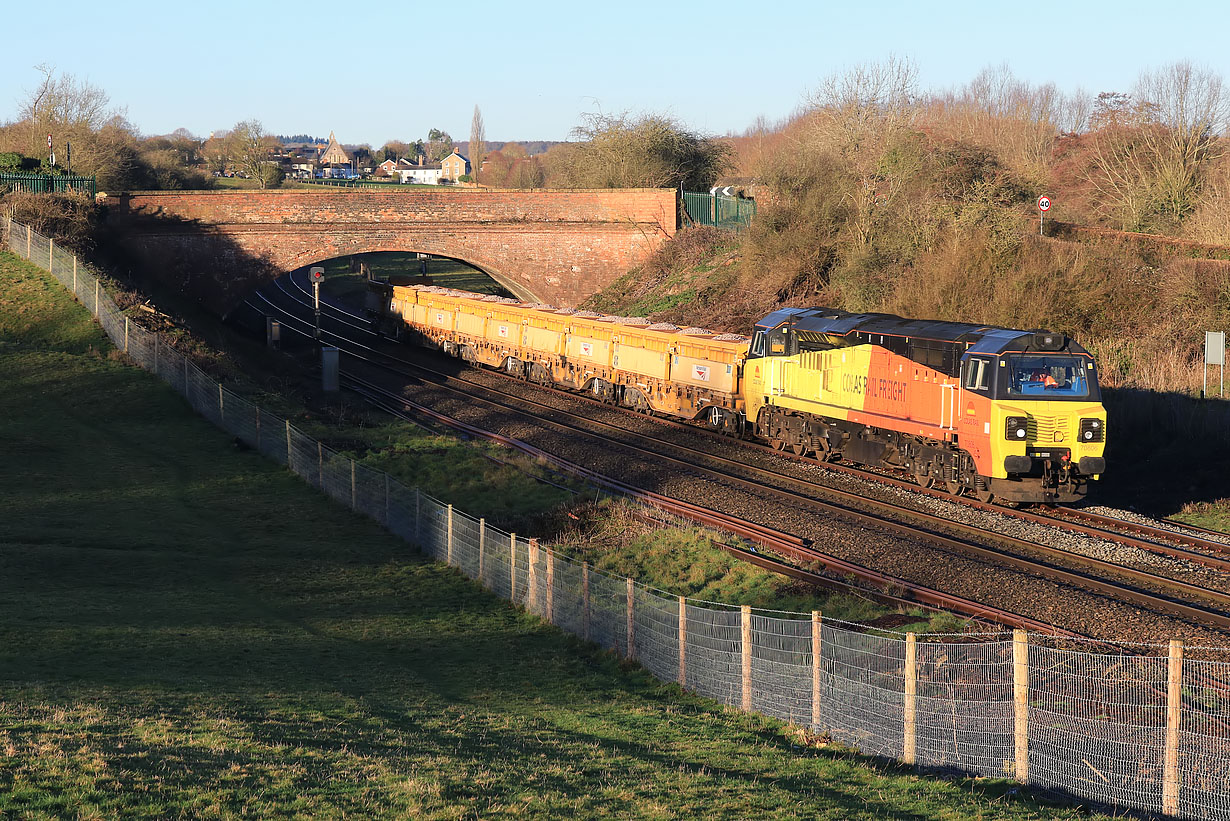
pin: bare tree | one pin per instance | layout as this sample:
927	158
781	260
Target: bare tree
478	145
1190	107
1152	148
251	149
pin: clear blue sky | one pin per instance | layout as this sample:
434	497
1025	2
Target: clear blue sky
374	72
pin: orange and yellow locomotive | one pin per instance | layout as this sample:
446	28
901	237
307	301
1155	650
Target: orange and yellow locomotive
999	413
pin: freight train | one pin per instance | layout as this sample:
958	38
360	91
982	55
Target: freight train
1009	415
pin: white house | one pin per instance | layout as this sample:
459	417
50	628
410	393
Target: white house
424	174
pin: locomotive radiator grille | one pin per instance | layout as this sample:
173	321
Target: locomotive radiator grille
1049	429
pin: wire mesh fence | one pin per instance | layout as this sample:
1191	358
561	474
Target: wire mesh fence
1147	732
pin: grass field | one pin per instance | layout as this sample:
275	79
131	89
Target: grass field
187	630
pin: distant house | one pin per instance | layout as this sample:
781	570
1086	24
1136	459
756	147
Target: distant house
424	173
454	166
387	168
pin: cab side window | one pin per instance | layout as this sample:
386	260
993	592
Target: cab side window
757	345
977	374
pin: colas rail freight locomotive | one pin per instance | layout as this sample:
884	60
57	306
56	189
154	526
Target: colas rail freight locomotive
1010	415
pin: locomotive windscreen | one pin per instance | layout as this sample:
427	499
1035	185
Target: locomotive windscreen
1049	376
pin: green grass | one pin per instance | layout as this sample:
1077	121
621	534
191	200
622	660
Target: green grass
187	630
688	562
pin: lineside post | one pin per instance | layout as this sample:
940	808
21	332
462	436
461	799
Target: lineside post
683	642
288	449
1174	715
531	593
448	543
631	629
816	659
1020	701
512	567
482	551
354	490
550	587
585	596
745	620
911	699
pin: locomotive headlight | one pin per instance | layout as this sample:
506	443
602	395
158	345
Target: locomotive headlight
1092	430
1016	428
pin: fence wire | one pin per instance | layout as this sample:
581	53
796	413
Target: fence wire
1131	731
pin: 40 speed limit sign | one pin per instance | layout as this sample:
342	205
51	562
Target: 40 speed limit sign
1044	203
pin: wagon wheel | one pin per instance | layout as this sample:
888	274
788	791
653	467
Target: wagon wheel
799	448
779	444
923	478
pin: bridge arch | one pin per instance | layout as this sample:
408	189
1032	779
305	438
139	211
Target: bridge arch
555	246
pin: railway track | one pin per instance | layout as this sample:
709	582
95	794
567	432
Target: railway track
1145	589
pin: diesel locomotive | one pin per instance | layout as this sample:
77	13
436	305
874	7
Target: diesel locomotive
997	413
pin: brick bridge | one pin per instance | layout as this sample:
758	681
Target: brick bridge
555	246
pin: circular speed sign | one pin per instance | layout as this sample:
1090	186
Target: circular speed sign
1044	203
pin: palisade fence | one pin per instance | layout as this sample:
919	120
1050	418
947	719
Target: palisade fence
1128	730
719	211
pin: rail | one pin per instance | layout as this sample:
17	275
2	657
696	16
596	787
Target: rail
1135	732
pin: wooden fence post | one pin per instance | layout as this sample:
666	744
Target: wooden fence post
1174	714
745	619
75	277
531	592
585	596
354	487
631	638
320	464
288	448
448	538
29	240
911	699
512	567
221	405
816	659
482	551
683	642
258	427
418	518
125	334
550	587
51	250
96	289
1020	701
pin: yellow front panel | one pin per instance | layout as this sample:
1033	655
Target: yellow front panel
1051	425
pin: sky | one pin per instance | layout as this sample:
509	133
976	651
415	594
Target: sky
379	72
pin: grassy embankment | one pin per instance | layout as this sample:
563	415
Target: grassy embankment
190	630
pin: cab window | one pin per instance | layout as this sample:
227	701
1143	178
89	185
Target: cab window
757	349
977	374
1050	376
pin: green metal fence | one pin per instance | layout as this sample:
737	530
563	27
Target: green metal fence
721	212
47	183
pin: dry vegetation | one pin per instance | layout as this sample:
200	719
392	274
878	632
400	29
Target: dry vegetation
876	197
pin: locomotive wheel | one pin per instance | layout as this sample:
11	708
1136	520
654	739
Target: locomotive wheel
984	496
953	487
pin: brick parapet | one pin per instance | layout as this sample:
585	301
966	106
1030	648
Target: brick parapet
557	246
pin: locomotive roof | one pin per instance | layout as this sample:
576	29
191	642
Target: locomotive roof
975	338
